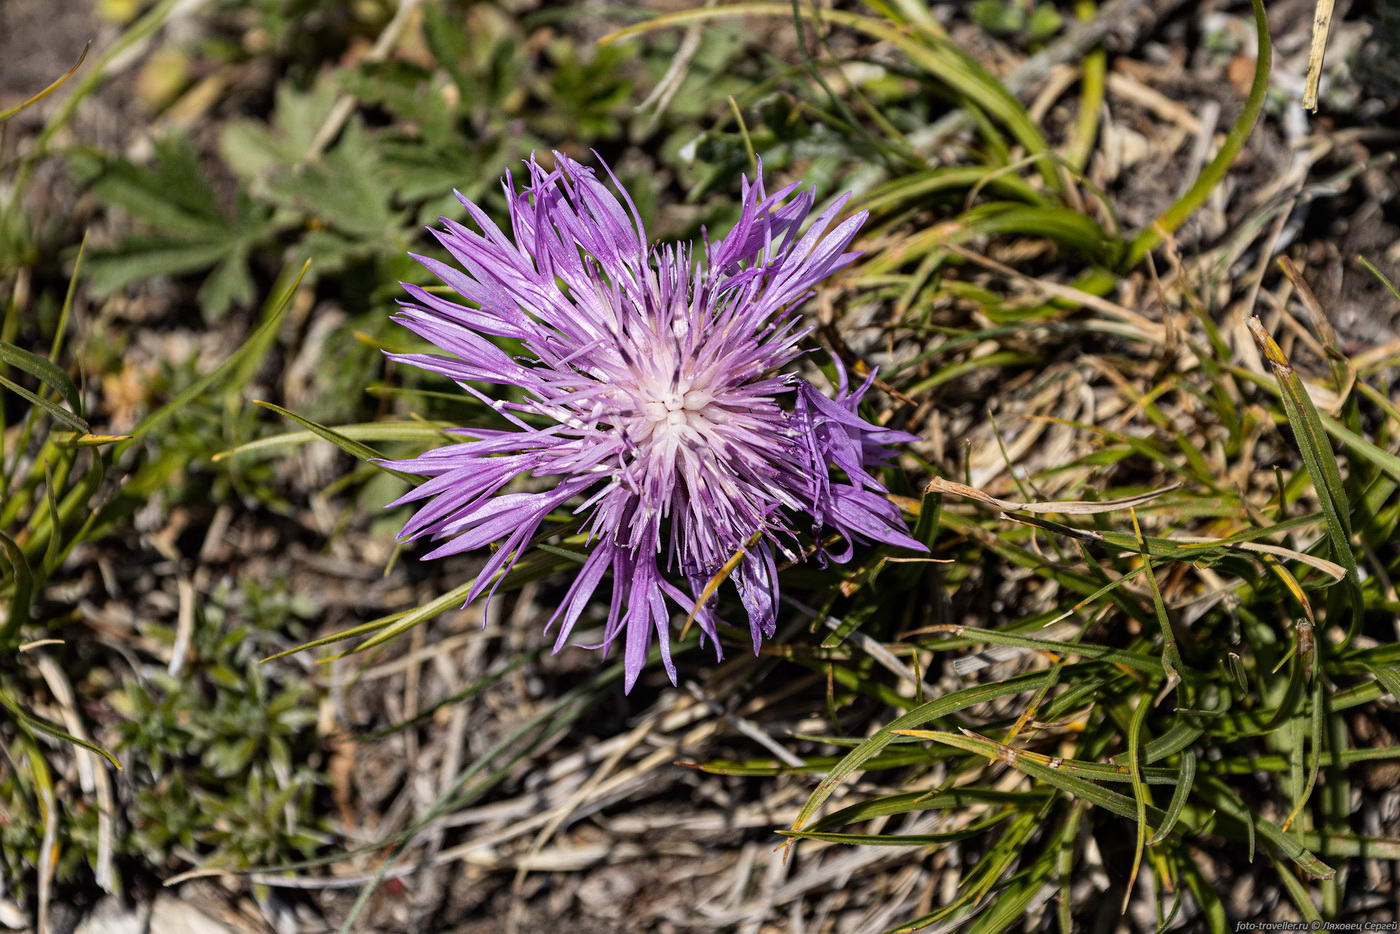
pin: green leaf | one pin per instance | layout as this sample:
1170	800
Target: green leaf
1171	655
57	411
1020	890
1222	798
21	593
924	713
532	566
254	149
1225	156
911	189
348	188
897	839
1319	460
1389	677
907	801
448	42
190	229
1044	22
1297	893
943	62
1142	795
1002	17
29	720
1180	793
1216	795
367	431
44	370
349	445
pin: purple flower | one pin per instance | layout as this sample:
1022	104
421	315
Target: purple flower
656	404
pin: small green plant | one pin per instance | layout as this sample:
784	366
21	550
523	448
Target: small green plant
222	752
52	466
57	494
189	229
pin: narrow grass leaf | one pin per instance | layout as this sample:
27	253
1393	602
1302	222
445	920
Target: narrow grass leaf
366	431
1101	653
924	713
355	449
1067	507
1348	439
1094	771
53	86
1220	797
1142	796
57	411
534	566
29	720
1297	893
1216	169
21	590
1020	890
940	58
1171	655
1186	777
907	839
44	370
905	802
1318	459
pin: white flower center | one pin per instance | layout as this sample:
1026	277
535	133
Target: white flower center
677	411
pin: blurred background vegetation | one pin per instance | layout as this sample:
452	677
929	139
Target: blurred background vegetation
1076	207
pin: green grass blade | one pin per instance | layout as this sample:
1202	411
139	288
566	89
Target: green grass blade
1171	655
1347	438
43	369
1217	795
1216	919
355	449
1318	459
924	713
1297	893
57	411
907	801
21	594
365	431
907	839
30	721
1215	170
1142	795
1086	651
1016	896
940	58
1186	777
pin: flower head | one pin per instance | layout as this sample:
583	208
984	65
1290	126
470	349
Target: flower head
656	403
